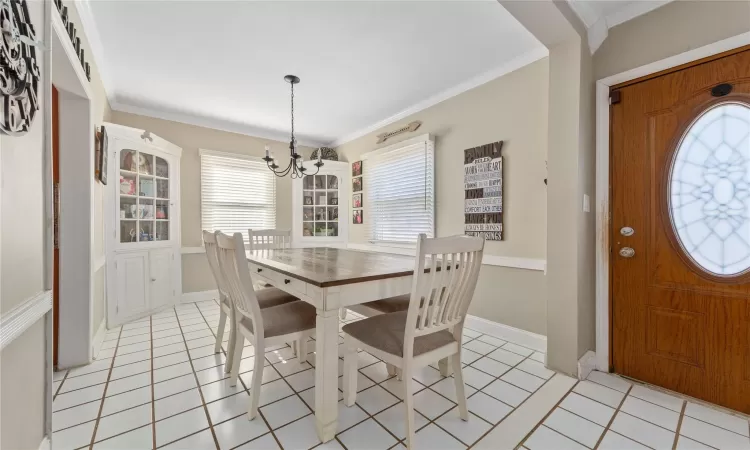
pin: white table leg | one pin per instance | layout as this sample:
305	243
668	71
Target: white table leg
326	373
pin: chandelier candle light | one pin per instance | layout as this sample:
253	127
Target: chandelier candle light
297	170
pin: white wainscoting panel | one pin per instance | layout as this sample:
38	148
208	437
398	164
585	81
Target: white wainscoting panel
191	250
19	319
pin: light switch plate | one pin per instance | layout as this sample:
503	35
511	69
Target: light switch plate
586	203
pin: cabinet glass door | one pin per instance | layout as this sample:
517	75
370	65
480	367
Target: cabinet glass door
320	203
144	197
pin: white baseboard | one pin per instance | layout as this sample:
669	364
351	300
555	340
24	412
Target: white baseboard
200	296
508	333
45	444
96	345
586	364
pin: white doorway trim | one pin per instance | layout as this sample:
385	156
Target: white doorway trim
602	175
76	198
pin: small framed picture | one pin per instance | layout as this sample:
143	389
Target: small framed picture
357	168
357	184
356	200
308	200
358	217
333	201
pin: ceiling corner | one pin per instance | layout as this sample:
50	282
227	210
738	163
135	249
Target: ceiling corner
83	7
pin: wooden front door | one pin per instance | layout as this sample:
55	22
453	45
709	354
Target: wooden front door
680	230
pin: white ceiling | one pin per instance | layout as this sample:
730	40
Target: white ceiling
222	64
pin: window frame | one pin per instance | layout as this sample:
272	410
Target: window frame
428	141
239	156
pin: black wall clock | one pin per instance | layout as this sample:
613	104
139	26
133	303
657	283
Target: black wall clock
19	71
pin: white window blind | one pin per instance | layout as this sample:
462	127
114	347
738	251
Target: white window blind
237	193
400	192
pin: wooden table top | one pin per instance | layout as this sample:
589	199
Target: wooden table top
325	267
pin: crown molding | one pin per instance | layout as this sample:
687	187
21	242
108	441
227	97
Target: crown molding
510	66
633	10
216	124
95	43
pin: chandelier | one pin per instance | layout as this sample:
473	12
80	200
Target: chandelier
295	167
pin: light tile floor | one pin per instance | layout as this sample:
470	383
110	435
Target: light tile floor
609	412
157	383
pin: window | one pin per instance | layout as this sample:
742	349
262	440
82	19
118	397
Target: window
399	186
237	193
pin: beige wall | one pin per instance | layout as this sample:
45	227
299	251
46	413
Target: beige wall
670	30
512	108
196	275
22	265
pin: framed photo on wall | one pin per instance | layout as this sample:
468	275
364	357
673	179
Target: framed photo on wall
357	184
357	168
100	156
358	217
356	200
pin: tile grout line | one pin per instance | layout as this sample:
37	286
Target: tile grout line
679	425
541	421
612	419
197	382
104	394
153	398
57	391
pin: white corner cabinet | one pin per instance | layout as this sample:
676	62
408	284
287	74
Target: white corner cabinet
320	206
142	206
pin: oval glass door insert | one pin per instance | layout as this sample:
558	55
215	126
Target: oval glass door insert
709	190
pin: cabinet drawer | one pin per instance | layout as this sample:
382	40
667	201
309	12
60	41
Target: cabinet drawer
291	285
263	274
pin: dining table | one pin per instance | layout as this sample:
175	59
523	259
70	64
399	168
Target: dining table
330	279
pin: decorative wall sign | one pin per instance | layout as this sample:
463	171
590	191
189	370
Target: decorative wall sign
483	191
356	184
19	71
75	40
358	217
382	137
328	153
357	168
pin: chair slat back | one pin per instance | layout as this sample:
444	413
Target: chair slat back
209	242
270	239
445	278
236	275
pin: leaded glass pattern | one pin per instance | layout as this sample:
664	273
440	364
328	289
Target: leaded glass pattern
710	190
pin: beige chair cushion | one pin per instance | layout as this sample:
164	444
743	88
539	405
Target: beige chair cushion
270	297
392	304
284	319
386	332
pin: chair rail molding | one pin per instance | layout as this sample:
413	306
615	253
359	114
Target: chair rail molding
490	260
21	317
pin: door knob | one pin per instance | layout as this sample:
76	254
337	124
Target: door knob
627	252
627	231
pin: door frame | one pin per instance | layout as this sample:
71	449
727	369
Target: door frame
603	314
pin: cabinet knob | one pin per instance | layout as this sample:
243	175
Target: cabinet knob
260	270
287	281
153	279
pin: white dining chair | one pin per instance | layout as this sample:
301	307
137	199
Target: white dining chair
266	298
445	276
269	239
263	327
